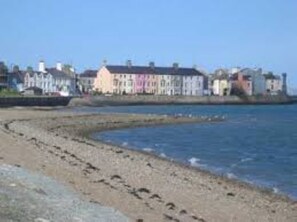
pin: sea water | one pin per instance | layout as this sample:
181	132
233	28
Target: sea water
256	144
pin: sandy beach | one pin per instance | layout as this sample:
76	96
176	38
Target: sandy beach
139	185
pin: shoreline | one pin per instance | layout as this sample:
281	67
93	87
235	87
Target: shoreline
132	100
188	166
138	184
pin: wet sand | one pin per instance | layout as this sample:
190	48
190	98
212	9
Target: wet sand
141	186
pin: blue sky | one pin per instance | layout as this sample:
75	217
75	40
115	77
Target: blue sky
208	33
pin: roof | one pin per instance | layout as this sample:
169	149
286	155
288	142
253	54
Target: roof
271	76
234	77
114	69
221	77
34	72
34	88
57	73
89	74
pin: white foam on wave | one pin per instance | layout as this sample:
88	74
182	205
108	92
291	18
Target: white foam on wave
150	150
231	176
275	190
163	155
125	144
243	160
194	162
246	159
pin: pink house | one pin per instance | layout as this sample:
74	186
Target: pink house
140	83
242	84
145	83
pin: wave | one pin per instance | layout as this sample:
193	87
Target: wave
275	190
194	162
163	155
243	160
149	150
125	144
231	175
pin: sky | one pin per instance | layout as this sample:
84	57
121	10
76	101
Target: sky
207	33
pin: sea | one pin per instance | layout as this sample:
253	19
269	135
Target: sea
256	143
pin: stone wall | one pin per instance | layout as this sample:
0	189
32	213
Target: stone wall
34	101
177	100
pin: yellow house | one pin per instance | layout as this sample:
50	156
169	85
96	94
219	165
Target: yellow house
221	86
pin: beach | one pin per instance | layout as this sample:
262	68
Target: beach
143	187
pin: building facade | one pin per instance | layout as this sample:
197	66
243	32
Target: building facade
241	84
50	80
86	80
149	80
258	80
16	81
273	83
221	85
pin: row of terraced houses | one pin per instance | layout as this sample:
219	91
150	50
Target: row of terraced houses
150	79
175	80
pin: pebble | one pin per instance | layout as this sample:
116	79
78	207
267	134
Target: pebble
41	220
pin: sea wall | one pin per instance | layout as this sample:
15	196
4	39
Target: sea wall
177	100
34	101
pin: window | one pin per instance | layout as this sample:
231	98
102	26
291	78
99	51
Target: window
124	76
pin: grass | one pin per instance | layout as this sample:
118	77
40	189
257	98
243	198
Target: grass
9	93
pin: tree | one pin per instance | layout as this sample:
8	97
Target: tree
30	69
15	69
68	69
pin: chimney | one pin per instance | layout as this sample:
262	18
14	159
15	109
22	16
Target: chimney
129	63
175	65
284	86
104	62
152	65
41	66
59	66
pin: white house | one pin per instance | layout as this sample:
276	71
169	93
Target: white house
50	80
193	85
273	83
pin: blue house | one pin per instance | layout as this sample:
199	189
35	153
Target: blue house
16	81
